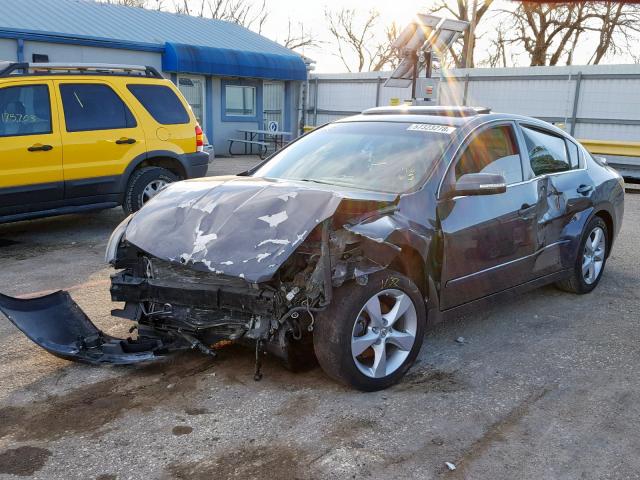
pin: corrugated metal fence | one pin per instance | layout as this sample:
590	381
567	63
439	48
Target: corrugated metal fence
598	102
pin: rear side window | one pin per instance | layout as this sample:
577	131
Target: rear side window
25	110
547	153
161	102
94	106
574	157
493	150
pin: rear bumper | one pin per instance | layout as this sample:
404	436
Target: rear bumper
195	164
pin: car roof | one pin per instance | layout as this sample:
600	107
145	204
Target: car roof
454	116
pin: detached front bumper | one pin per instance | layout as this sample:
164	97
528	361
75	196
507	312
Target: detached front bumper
57	324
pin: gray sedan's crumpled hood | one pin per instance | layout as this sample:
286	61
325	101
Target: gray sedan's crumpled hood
239	226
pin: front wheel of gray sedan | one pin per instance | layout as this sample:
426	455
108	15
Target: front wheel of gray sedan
592	256
371	334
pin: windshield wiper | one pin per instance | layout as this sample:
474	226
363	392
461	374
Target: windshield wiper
316	181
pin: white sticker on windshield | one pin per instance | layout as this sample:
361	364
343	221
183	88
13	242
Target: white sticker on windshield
427	127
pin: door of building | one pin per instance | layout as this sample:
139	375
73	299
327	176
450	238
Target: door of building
273	101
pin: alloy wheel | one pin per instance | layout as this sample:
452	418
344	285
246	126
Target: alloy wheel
152	189
593	255
384	333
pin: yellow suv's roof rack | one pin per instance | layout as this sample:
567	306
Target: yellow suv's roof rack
23	68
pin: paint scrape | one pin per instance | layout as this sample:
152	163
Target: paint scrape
275	219
275	241
262	256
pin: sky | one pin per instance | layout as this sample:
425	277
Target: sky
311	14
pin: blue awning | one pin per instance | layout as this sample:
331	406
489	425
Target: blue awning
233	63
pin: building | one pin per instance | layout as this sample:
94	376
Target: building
232	77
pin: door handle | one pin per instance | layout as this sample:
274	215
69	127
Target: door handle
584	189
40	148
122	141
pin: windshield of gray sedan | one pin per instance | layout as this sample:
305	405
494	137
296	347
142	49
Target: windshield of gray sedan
380	156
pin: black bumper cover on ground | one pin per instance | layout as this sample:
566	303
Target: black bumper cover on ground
57	324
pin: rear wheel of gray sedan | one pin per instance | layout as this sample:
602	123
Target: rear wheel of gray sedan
371	334
592	256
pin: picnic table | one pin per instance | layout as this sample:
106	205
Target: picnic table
252	137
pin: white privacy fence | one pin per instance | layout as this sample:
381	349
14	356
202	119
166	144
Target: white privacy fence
600	102
337	95
597	102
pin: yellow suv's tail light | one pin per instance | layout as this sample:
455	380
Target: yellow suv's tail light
199	139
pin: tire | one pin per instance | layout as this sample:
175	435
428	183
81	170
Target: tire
136	194
579	281
347	319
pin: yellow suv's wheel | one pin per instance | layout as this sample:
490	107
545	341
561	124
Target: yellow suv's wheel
143	185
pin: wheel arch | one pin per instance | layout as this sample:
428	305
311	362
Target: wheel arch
606	216
410	263
156	158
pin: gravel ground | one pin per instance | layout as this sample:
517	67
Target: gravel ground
545	386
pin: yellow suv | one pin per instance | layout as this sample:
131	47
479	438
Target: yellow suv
84	137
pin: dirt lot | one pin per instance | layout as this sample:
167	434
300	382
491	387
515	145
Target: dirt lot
546	386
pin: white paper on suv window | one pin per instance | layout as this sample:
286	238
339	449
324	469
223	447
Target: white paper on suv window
428	127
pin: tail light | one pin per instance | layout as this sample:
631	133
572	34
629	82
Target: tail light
199	139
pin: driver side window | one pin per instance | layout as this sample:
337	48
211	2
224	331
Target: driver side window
493	150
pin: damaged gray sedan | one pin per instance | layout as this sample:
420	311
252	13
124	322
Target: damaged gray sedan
347	243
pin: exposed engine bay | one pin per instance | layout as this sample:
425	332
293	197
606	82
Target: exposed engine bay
184	306
199	265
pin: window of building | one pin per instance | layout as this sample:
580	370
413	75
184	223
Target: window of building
25	110
240	100
493	150
161	102
192	88
94	106
547	152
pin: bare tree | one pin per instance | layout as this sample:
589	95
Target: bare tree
547	31
358	39
462	10
243	12
498	50
615	20
550	32
297	41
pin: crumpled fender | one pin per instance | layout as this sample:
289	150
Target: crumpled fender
390	230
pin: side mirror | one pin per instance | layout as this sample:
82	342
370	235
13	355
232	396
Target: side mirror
602	160
479	184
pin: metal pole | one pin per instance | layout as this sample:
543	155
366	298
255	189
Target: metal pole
315	105
414	76
378	92
576	98
466	88
305	103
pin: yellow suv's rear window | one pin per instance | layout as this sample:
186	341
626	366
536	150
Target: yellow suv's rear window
161	103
